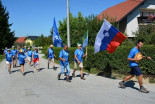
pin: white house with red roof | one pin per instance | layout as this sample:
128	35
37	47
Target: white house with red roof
131	15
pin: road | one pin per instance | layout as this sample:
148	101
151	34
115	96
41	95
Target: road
43	88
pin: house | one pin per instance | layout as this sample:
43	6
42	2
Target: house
20	41
30	40
131	15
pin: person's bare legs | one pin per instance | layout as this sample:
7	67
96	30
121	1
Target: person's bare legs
53	64
73	74
140	80
82	77
38	66
22	69
128	77
9	68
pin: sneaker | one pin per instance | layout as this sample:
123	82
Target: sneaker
23	74
73	74
142	89
9	72
83	78
68	80
122	84
58	76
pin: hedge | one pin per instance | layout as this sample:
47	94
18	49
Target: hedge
116	61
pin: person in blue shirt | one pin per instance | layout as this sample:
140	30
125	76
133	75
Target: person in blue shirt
24	50
78	62
51	56
35	58
14	53
64	63
9	58
29	54
135	70
21	61
5	51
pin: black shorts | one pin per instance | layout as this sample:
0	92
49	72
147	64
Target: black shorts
22	64
135	71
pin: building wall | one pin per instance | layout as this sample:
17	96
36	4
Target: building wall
29	41
132	22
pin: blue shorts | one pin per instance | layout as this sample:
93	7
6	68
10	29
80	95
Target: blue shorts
135	70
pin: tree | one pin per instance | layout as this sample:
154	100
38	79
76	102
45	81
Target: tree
78	27
7	36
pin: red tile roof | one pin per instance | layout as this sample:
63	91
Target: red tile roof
21	40
120	10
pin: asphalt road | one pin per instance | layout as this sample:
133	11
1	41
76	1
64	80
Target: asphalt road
43	88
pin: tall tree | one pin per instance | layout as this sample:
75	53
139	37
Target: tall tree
6	35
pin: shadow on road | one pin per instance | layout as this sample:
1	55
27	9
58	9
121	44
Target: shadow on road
131	84
40	69
83	75
28	72
15	71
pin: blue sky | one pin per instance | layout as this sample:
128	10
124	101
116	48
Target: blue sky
35	17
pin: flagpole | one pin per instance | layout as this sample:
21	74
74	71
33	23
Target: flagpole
68	27
86	55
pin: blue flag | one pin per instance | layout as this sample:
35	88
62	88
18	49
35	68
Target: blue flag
56	38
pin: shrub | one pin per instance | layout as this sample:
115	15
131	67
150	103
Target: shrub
116	61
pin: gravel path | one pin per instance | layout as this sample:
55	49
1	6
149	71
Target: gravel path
44	88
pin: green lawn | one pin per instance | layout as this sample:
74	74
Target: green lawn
1	57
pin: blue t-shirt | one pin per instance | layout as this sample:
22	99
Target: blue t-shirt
22	58
29	53
35	54
23	50
9	57
50	53
5	51
14	52
79	54
132	54
64	55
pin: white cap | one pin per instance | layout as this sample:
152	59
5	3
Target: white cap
51	45
13	46
79	45
8	49
29	48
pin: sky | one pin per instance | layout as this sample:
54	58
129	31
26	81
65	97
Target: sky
35	17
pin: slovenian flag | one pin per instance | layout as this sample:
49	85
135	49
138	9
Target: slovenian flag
108	38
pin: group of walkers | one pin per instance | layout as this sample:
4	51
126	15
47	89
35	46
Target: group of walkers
20	55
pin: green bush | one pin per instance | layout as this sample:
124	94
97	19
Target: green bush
116	61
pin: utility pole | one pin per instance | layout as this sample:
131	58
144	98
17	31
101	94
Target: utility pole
68	27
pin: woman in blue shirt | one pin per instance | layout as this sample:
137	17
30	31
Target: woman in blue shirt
9	58
22	57
35	58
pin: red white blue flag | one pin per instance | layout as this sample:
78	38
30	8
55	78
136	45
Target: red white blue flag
108	38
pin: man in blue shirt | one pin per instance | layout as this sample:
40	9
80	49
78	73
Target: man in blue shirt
51	56
135	70
9	58
29	54
14	53
64	63
78	55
